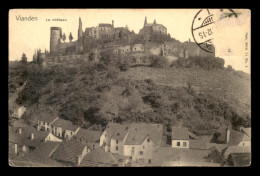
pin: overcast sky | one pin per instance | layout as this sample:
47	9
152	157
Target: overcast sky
26	36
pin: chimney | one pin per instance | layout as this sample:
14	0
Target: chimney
38	127
77	160
15	149
32	136
228	134
20	131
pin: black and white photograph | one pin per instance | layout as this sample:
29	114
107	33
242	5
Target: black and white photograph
129	87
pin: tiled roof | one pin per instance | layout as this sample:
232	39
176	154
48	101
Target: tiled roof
138	132
115	128
218	147
105	25
68	151
65	124
28	161
25	137
180	133
169	154
98	156
247	131
236	149
40	156
241	159
197	144
89	135
46	117
235	136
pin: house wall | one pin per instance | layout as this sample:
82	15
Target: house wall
21	111
120	146
245	143
146	147
68	134
174	143
53	138
138	47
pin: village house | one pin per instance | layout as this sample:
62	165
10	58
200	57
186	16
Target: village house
64	128
117	132
40	157
89	138
18	112
45	120
99	158
236	149
180	137
27	139
70	153
226	135
142	140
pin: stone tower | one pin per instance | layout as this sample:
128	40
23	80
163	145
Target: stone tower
56	35
80	28
154	22
145	21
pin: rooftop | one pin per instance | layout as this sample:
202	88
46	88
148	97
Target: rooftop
98	156
138	133
68	150
236	149
241	159
180	133
113	129
25	137
89	135
65	124
105	25
235	136
167	156
46	117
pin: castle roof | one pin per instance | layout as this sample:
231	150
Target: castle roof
105	25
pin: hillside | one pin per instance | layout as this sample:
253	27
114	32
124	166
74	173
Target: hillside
94	93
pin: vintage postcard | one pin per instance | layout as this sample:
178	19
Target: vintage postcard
129	88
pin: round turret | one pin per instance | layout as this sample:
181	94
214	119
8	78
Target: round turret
56	35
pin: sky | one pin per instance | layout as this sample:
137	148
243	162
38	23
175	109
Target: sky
229	33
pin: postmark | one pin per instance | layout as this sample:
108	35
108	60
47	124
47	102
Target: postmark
202	30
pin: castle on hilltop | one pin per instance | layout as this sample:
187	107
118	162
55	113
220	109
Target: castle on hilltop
120	40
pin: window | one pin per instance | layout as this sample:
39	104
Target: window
133	148
141	152
149	161
178	144
148	140
116	148
184	144
71	133
143	147
117	141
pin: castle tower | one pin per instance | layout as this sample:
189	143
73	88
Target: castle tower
80	28
154	22
113	23
56	35
145	21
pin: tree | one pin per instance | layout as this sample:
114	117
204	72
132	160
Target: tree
70	37
63	37
24	58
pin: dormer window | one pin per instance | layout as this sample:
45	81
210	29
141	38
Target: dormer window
148	140
118	134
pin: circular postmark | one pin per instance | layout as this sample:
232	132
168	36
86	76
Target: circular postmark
202	30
